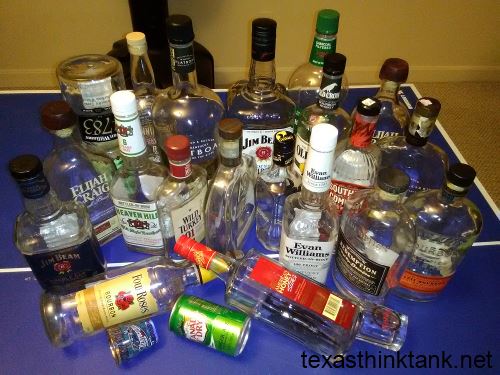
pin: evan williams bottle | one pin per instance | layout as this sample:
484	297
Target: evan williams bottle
295	305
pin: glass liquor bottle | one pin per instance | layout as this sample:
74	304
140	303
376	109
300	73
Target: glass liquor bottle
187	108
143	82
271	189
310	223
393	115
326	110
131	293
304	83
180	198
55	238
295	305
424	162
376	239
357	166
75	174
447	224
134	186
230	206
259	103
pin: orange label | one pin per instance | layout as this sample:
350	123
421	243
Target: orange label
422	283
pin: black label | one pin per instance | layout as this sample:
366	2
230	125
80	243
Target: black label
329	94
96	128
182	59
54	270
360	271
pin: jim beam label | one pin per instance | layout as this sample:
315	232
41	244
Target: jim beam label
189	220
340	192
116	301
96	121
130	138
259	145
310	258
140	224
300	156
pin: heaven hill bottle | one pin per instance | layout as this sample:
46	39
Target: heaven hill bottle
447	225
133	188
295	305
55	237
259	103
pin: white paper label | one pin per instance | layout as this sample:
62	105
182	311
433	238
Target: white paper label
130	138
310	258
189	219
140	224
107	228
95	94
317	171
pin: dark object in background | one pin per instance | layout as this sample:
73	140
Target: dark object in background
149	17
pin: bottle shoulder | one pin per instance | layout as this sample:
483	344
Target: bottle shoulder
174	192
306	75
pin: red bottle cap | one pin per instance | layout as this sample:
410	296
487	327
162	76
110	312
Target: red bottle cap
177	147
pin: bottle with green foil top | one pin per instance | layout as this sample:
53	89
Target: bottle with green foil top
303	86
209	324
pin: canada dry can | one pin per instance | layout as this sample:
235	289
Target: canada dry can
212	325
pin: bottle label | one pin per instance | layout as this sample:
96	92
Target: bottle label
310	258
181	170
130	137
140	224
320	48
423	283
55	269
146	121
363	129
259	145
96	128
329	93
95	94
182	58
189	219
304	292
300	156
230	149
35	187
119	300
421	126
131	339
201	149
340	191
358	269
317	171
107	229
380	134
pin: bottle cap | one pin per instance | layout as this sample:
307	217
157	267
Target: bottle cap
263	39
323	137
57	115
394	69
428	107
179	29
284	147
460	174
393	180
177	147
136	42
327	22
334	64
123	103
369	106
230	128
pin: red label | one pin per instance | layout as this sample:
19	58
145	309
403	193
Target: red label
264	152
423	283
180	170
340	191
362	131
195	252
304	292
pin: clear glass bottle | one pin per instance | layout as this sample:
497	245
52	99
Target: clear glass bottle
259	103
376	239
424	162
55	237
134	186
230	206
187	108
357	166
86	82
447	224
134	292
295	305
180	198
271	189
305	81
75	174
310	225
394	116
326	110
143	82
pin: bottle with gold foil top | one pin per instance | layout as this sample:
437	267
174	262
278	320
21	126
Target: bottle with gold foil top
134	292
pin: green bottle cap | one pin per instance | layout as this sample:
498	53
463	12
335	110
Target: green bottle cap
327	21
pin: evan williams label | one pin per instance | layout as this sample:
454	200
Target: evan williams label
189	219
116	301
341	191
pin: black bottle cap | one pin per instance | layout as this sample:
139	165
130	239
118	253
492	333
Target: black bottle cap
263	39
369	106
179	29
428	107
57	115
284	147
460	174
27	170
393	180
394	69
334	64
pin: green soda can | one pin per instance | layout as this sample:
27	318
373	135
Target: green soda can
209	324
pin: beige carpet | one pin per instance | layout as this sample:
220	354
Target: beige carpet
470	116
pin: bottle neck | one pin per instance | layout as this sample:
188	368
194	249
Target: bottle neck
389	90
362	130
419	129
180	169
311	198
230	152
322	44
183	65
451	192
262	76
329	93
43	207
316	177
64	137
141	73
